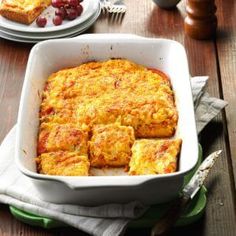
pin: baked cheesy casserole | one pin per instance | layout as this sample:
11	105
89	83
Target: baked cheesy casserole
23	11
109	112
110	145
63	163
154	156
62	137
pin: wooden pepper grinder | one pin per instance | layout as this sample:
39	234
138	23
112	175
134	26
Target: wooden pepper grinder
201	21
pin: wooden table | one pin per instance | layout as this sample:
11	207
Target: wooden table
216	58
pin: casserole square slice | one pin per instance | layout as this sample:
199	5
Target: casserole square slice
110	145
151	157
63	163
62	137
58	110
23	11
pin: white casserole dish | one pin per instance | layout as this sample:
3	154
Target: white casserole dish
50	56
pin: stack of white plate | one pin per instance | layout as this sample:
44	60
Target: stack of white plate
32	33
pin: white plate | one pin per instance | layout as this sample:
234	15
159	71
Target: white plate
90	7
23	40
32	37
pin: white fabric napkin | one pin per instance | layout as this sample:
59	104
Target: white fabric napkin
17	190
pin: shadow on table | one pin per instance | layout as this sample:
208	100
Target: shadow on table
165	21
211	136
222	34
194	229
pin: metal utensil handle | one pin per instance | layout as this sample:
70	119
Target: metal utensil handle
170	217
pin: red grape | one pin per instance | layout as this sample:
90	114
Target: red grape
79	9
57	20
57	3
41	21
72	3
61	12
71	13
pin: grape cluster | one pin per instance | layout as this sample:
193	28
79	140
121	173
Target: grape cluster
65	9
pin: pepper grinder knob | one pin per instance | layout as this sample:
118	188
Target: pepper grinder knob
201	21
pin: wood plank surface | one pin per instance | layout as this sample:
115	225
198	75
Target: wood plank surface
226	48
13	59
216	59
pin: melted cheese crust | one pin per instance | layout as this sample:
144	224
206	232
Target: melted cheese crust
63	163
25	5
67	137
110	145
150	157
104	92
23	11
98	109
